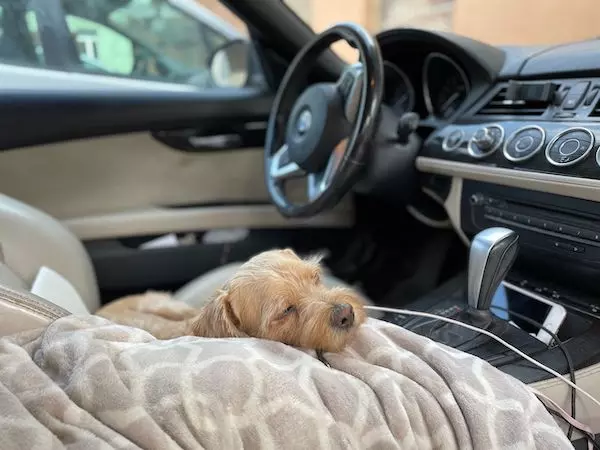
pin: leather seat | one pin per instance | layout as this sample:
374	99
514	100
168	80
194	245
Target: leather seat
31	239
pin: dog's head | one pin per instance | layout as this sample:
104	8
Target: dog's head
279	296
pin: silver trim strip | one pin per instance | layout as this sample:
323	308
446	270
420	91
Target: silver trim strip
562	133
167	220
583	188
529	155
426	91
598	156
493	149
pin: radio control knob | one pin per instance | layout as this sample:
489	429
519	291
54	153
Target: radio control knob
486	141
483	139
477	199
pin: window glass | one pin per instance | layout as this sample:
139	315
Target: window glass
166	40
101	48
173	41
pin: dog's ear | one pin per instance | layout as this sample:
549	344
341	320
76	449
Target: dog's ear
316	258
217	319
289	251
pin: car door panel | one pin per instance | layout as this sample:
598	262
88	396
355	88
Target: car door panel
132	185
63	112
123	161
114	187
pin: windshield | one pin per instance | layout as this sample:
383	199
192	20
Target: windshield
497	22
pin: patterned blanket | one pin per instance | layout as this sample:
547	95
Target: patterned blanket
86	383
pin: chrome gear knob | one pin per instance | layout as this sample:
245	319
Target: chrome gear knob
493	252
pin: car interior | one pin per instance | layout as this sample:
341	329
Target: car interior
436	174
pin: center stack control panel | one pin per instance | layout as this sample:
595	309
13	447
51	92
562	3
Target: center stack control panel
542	127
563	149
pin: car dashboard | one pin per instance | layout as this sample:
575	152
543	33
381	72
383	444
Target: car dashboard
511	139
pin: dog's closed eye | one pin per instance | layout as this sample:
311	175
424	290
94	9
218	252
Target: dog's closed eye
287	311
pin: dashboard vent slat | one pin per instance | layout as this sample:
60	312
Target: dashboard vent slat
499	106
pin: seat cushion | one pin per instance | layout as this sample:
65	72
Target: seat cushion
199	291
31	239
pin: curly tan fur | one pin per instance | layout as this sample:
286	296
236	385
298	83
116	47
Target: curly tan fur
276	295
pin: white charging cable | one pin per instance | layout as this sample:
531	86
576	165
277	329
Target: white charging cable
487	333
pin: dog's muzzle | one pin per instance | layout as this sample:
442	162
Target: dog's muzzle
342	316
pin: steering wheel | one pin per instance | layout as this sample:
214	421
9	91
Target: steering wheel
324	134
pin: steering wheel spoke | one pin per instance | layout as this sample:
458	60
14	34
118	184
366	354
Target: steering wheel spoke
282	167
350	85
318	183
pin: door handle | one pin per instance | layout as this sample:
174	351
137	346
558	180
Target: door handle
216	142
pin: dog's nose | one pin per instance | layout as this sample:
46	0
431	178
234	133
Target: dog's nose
342	316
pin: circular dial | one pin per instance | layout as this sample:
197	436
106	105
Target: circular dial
445	85
570	146
524	143
485	141
399	93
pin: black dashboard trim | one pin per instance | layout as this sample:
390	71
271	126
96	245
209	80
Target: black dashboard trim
59	115
481	62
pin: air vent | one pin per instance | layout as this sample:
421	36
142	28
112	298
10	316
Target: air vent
499	106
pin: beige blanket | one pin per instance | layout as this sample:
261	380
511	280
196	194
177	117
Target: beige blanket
85	383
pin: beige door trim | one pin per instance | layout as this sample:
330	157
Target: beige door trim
152	221
583	188
588	380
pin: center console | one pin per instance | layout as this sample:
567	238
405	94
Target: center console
526	158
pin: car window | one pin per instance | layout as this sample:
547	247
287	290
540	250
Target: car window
165	40
173	41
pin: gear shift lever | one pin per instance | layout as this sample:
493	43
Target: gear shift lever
493	252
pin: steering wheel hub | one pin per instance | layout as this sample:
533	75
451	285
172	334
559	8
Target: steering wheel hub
316	125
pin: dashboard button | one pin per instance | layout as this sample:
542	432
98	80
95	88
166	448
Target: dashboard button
513	216
575	248
575	96
453	140
528	220
496	212
571	231
524	143
486	141
523	219
570	146
572	101
538	223
590	235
